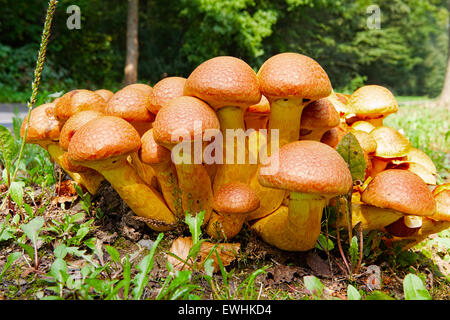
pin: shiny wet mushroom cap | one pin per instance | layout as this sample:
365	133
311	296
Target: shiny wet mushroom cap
180	117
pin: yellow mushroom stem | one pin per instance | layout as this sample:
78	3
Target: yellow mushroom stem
144	171
429	227
256	121
370	217
195	184
285	115
225	225
294	228
232	118
89	180
142	199
270	199
167	178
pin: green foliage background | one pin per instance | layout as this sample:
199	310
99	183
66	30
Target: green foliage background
408	54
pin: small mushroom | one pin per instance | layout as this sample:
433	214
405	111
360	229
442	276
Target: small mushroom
317	118
313	173
372	103
44	130
290	81
229	85
404	192
391	145
78	100
362	126
164	91
232	203
92	179
103	144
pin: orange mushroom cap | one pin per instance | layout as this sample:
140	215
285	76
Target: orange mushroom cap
104	93
181	115
400	190
151	152
224	81
235	198
43	124
288	75
319	114
308	167
131	104
78	100
74	123
103	138
164	91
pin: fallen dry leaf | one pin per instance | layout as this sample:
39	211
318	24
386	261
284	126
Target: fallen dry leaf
181	246
65	191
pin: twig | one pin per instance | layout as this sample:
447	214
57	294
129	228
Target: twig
35	86
360	249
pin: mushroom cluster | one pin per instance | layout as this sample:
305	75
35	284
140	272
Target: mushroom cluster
245	147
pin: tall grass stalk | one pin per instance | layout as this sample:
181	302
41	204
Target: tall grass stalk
35	85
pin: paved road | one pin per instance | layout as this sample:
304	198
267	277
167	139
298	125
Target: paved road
7	113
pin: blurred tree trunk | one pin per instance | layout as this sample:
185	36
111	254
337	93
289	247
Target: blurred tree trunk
131	64
444	99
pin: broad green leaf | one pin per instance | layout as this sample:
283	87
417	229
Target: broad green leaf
414	289
9	261
353	154
32	229
195	222
313	285
378	295
16	191
354	250
353	293
6	232
115	256
58	270
60	251
323	244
